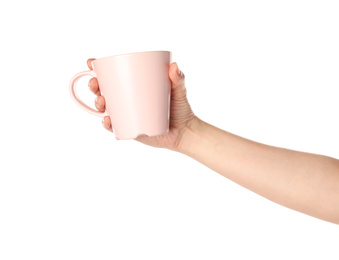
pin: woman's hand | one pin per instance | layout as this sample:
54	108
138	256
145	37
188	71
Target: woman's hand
181	114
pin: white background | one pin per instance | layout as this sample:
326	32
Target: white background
264	70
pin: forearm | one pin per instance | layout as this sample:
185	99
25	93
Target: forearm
304	182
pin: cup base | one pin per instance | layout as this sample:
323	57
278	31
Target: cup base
136	136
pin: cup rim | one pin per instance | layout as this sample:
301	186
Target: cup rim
125	54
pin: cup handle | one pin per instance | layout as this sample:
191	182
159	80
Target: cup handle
75	97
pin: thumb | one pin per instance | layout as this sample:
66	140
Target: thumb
177	78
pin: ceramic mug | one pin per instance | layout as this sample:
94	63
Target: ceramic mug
137	90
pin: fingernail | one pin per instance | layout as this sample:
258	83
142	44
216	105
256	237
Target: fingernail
178	70
103	122
97	104
89	83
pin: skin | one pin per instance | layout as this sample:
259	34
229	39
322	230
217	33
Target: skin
305	182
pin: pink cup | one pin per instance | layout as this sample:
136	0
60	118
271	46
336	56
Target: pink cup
137	91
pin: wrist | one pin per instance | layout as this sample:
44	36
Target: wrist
190	135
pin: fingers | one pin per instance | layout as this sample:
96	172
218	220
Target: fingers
177	78
106	123
93	82
100	103
89	63
94	86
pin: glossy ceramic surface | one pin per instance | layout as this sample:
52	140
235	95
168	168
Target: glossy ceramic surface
136	88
